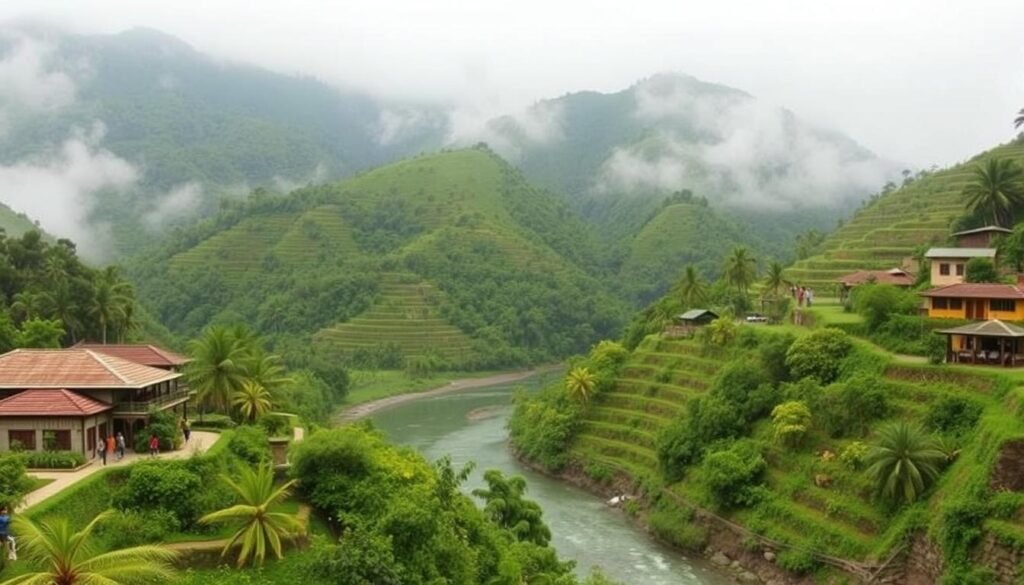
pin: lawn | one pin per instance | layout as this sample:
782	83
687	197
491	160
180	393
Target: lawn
832	313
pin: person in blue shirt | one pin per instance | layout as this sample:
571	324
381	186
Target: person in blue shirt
5	525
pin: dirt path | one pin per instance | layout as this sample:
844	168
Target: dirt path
367	408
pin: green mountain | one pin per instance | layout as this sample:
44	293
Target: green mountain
889	228
15	224
451	258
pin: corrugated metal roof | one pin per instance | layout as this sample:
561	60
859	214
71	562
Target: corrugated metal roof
960	253
50	402
966	290
988	228
695	313
75	368
147	355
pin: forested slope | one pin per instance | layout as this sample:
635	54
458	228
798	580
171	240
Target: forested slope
449	259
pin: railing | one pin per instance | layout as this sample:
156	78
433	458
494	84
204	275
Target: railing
144	406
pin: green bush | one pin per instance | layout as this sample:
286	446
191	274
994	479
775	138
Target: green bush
952	415
731	474
772	353
935	349
880	302
542	425
818	355
276	425
250	444
214	421
747	386
54	459
848	408
14	484
796	561
127	528
163	424
854	454
163	485
682	442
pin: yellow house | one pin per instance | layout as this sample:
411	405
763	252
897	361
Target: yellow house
949	264
979	302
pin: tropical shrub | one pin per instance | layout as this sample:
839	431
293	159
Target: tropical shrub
542	425
854	454
818	355
746	385
505	505
250	444
731	474
903	462
162	485
214	421
722	331
790	421
54	459
163	424
980	270
952	415
879	302
14	484
682	442
848	408
675	525
772	353
126	528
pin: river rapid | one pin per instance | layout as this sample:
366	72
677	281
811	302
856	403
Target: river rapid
469	425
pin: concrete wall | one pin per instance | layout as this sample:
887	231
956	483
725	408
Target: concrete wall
938	279
78	427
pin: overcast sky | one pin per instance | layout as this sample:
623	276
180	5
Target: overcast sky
921	81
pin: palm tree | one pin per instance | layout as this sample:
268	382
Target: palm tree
580	384
692	289
252	400
59	303
26	305
740	269
108	303
1019	120
260	527
265	369
904	462
997	188
775	279
217	369
67	557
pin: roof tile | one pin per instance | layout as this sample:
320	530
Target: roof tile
74	368
50	402
976	291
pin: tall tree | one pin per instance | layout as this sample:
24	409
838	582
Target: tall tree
692	289
217	369
775	281
260	529
60	303
108	302
1019	120
505	505
580	382
66	557
996	189
26	305
904	462
740	269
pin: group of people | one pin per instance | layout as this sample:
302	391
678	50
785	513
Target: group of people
110	445
802	295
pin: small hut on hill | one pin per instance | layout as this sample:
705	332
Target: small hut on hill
686	324
894	276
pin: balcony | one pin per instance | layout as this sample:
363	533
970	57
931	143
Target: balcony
143	407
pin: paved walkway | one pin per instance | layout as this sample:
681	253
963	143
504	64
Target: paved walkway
199	442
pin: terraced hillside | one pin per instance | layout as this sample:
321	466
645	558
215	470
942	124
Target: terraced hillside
431	252
620	429
884	233
407	313
814	506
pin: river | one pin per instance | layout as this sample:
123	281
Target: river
470	426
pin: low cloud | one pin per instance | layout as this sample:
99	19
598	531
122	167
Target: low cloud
541	124
737	150
397	125
30	75
58	188
178	204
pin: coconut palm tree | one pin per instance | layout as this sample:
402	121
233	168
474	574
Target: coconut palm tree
997	189
692	289
904	461
265	369
775	280
66	557
59	303
261	529
108	303
26	305
1019	120
217	369
252	400
580	384
740	269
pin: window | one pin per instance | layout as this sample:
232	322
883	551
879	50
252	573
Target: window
1008	305
956	304
940	303
57	440
959	269
944	269
26	439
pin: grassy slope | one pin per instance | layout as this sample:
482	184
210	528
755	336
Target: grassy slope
14	223
621	427
885	232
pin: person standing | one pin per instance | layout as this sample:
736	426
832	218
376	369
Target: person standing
154	445
101	449
5	525
111	444
186	429
120	446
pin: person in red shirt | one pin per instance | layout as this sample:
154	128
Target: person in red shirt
111	445
154	445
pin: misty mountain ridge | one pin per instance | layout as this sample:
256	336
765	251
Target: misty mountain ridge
100	131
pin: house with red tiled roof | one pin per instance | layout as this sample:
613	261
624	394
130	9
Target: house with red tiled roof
72	398
976	301
145	354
